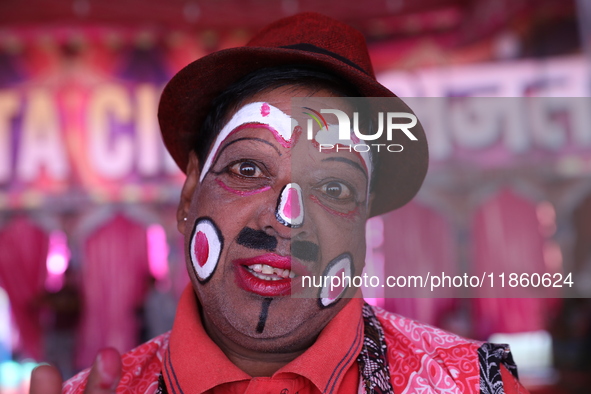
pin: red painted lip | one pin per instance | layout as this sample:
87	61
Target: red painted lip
267	288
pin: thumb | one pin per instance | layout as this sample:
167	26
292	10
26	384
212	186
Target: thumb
105	372
45	379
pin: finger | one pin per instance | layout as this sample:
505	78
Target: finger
45	379
105	372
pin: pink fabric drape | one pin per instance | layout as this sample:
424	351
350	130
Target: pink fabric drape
418	240
115	272
23	256
506	238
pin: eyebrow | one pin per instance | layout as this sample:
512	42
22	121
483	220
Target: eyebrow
348	161
243	139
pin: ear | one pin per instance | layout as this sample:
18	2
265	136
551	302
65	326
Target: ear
187	192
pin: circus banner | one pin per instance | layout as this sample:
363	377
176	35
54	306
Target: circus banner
78	114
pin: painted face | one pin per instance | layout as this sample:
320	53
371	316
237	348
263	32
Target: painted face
266	209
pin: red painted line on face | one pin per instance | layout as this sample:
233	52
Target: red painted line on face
347	215
295	135
201	248
278	137
336	291
242	192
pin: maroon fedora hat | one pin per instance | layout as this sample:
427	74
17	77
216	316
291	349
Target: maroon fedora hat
303	39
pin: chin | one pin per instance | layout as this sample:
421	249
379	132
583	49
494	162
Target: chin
306	321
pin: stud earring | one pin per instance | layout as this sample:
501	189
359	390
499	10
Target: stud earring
185	219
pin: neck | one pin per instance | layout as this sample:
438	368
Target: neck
253	362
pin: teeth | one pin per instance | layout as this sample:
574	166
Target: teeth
267	269
265	277
263	271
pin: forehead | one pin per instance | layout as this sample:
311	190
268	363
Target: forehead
285	112
288	117
283	99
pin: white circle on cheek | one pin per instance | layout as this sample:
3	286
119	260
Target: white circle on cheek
339	267
205	248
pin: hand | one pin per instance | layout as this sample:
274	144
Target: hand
103	377
46	379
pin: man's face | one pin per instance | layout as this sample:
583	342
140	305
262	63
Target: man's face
267	209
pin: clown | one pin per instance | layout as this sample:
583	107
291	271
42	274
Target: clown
262	207
290	207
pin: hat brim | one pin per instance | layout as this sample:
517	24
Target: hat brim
186	101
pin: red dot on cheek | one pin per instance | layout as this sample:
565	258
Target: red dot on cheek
336	291
201	248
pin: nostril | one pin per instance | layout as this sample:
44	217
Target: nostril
290	207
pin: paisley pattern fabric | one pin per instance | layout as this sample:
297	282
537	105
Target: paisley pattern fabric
161	385
426	359
373	363
491	356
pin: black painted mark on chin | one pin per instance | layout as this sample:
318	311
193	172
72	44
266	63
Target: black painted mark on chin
263	315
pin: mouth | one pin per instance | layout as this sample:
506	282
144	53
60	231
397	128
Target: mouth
268	275
266	272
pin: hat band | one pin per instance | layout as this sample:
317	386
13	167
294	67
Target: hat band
314	49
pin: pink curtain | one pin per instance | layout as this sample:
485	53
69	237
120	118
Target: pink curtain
507	239
23	255
115	272
417	240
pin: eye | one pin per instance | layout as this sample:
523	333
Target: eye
336	190
246	169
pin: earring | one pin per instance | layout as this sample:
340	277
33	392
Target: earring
184	219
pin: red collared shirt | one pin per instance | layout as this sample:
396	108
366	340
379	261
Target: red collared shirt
195	364
420	358
191	362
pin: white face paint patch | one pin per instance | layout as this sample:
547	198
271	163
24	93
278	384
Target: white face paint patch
290	207
339	267
275	120
205	249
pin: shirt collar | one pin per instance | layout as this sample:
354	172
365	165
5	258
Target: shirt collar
194	361
336	348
